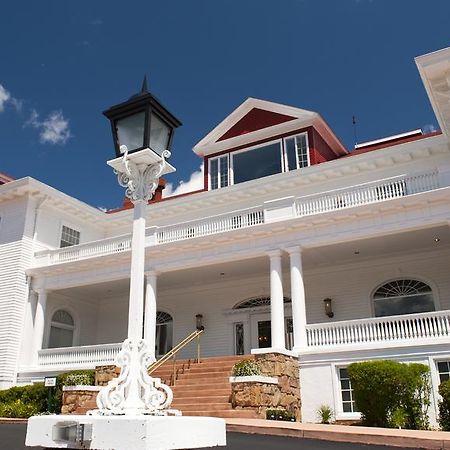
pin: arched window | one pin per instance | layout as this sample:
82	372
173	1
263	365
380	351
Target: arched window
61	330
403	296
256	301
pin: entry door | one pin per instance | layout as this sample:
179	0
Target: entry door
261	331
163	341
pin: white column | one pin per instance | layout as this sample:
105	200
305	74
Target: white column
150	311
136	305
298	298
39	323
276	301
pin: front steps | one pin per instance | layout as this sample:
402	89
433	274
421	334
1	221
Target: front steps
204	389
201	389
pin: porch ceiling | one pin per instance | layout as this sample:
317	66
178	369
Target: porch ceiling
355	252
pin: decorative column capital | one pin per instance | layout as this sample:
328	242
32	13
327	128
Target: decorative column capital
274	253
141	180
151	273
295	249
40	291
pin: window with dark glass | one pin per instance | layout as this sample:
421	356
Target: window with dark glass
297	151
403	296
69	237
61	330
257	163
348	400
218	172
444	370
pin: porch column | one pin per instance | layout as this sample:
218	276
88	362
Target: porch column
39	323
150	311
276	301
298	298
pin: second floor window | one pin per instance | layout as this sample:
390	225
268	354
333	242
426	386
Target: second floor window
252	163
69	237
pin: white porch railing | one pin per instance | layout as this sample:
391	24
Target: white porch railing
364	194
211	225
102	247
85	356
406	328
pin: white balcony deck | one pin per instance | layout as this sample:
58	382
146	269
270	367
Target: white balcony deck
351	197
409	330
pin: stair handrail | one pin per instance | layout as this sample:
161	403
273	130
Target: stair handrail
172	353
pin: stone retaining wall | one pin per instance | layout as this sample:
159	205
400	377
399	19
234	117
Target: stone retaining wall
78	399
104	374
259	396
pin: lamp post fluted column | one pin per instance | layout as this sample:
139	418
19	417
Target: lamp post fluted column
134	391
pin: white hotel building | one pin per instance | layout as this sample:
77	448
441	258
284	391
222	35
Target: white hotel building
287	218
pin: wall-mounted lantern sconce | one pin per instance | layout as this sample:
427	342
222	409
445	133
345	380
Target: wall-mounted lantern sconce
328	307
199	322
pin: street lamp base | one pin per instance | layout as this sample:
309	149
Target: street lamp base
125	432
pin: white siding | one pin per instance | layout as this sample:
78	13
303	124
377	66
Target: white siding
15	256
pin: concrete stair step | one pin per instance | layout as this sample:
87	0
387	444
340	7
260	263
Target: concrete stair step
200	392
209	407
202	399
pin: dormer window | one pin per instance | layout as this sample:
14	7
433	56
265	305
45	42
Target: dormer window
261	161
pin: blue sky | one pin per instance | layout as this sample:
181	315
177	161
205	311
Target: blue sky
63	63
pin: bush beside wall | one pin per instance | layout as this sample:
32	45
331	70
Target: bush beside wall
444	405
23	401
392	394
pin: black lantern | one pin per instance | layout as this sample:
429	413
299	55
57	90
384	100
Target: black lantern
199	322
141	122
328	307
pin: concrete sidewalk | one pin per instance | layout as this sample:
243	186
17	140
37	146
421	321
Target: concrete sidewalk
343	433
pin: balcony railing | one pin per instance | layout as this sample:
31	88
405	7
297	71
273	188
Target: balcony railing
85	356
405	328
364	194
102	247
211	225
359	195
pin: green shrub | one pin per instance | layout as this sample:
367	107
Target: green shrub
444	405
23	401
279	414
391	394
325	414
245	368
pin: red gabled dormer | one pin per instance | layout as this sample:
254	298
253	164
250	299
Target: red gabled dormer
262	138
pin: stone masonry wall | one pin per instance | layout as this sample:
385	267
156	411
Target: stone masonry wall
78	401
261	396
104	374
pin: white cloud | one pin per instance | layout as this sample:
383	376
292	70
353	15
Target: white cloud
4	97
7	98
195	183
53	130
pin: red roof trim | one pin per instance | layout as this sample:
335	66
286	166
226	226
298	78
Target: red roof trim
4	178
398	141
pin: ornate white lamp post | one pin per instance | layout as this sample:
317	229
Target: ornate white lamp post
142	132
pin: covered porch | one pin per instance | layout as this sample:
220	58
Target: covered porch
274	301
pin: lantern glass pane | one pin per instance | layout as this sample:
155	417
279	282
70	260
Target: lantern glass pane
159	135
130	131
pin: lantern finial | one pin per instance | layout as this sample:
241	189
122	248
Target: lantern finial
144	88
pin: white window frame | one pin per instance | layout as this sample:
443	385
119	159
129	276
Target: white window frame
61	232
294	136
76	324
338	406
219	180
253	147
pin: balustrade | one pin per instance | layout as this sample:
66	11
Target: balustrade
406	328
86	356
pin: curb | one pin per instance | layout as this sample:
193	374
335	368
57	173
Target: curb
4	420
436	440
